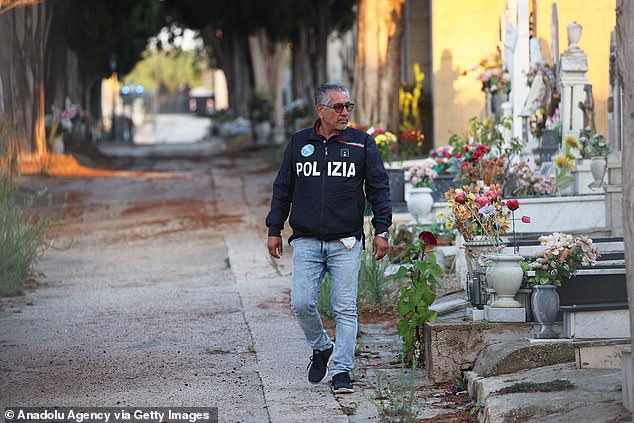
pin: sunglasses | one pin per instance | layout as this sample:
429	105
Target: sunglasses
339	107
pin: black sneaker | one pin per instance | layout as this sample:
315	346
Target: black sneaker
318	366
341	383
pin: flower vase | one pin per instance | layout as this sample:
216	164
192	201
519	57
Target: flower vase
475	253
597	169
545	306
419	204
504	274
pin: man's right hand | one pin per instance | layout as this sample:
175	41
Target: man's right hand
274	244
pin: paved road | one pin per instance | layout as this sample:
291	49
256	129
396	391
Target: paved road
167	297
173	128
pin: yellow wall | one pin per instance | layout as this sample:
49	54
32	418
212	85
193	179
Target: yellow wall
466	31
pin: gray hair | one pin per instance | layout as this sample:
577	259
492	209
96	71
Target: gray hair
322	93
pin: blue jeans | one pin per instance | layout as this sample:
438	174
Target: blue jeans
312	258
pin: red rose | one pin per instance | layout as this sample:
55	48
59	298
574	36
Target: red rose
428	238
513	204
476	154
460	198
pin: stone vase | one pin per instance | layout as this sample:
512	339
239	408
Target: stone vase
504	274
419	204
574	35
597	169
475	253
545	307
262	131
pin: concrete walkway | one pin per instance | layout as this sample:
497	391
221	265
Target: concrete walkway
167	297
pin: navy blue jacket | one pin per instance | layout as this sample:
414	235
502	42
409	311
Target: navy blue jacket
321	182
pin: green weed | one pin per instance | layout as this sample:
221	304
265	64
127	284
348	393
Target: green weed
396	403
22	235
372	285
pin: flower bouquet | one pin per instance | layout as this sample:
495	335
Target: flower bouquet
410	143
530	184
386	142
491	73
442	156
562	257
422	174
479	212
482	153
597	146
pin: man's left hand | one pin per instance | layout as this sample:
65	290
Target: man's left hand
379	247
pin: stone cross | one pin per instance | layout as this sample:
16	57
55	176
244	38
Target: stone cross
573	76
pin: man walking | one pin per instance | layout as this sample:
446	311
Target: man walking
326	174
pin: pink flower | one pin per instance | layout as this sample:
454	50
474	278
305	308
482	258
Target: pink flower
526	219
482	200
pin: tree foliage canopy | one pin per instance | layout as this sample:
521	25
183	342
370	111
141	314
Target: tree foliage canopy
99	30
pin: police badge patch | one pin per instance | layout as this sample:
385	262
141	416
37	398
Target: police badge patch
344	152
308	150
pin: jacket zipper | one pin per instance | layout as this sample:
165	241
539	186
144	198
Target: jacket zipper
323	188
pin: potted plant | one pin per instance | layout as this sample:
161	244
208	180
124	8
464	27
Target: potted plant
419	200
562	256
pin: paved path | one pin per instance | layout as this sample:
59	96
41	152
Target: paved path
167	297
173	128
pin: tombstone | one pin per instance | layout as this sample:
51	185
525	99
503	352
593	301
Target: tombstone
573	76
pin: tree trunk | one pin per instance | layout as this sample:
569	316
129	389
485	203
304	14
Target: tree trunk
625	63
232	54
310	49
377	73
22	70
268	61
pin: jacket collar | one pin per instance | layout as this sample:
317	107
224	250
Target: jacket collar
316	130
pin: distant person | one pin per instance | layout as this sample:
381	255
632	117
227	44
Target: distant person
326	174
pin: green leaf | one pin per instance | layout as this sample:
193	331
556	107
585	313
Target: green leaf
436	270
404	308
401	272
429	297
